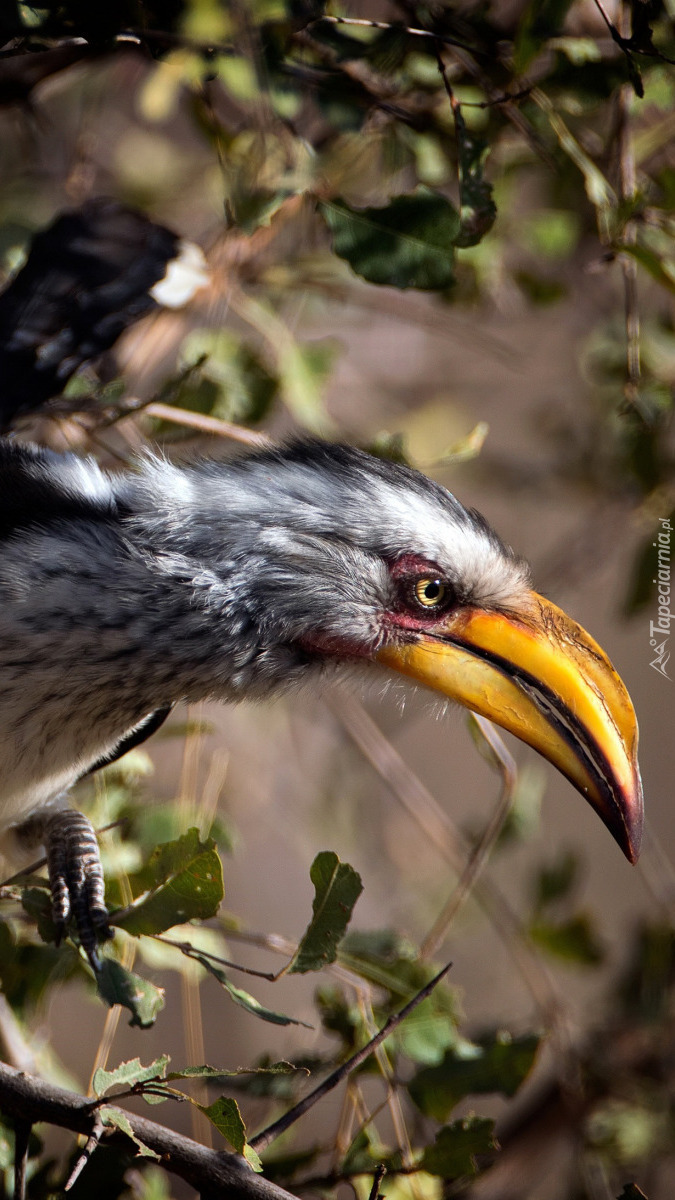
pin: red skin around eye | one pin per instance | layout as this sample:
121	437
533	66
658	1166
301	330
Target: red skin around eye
412	566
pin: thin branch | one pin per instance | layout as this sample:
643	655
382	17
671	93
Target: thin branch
379	1175
408	29
263	1139
217	1173
206	424
194	952
91	1144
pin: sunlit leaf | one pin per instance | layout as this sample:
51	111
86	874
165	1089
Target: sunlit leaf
114	1118
128	1073
233	382
225	1115
185	882
337	888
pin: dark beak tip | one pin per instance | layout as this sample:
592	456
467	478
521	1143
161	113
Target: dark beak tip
632	823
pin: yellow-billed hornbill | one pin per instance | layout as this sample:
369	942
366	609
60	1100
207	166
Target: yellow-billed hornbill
121	595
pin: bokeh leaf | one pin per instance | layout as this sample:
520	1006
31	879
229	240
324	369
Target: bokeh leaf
574	940
408	244
497	1063
454	1152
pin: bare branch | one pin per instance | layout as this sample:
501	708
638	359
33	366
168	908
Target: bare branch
377	1180
91	1144
215	1173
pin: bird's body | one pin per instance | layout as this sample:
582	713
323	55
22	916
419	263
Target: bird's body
121	595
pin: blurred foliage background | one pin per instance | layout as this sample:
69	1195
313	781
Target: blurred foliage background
444	231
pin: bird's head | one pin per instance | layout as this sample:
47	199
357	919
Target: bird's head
336	556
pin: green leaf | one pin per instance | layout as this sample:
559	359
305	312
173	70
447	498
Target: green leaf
337	888
225	1115
186	882
128	1073
240	997
497	1063
304	370
232	381
340	1017
408	244
454	1152
555	882
364	1153
552	233
117	985
167	860
574	940
541	19
116	1119
37	902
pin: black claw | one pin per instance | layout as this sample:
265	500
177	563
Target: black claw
76	879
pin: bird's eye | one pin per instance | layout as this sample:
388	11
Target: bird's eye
430	592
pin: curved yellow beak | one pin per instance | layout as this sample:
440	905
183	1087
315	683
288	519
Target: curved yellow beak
541	677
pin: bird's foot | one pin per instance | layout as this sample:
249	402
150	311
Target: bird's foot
76	880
